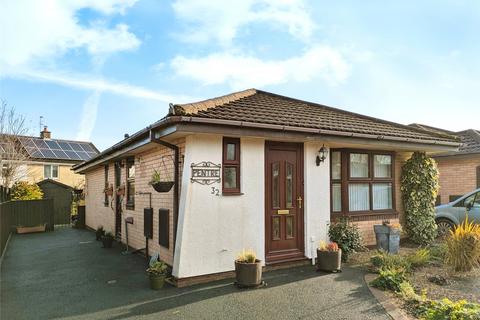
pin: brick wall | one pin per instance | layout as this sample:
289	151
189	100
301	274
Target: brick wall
161	159
458	175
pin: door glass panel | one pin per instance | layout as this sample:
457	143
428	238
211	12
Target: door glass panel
276	228
289	185
289	226
276	185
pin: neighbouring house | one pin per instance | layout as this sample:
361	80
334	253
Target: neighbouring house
47	158
254	170
459	170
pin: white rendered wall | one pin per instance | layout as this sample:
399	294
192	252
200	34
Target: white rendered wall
212	229
317	198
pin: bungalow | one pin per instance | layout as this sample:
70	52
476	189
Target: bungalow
254	170
459	170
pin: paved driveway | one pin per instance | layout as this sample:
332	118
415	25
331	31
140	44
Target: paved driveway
64	274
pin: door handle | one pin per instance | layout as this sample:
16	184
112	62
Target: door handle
299	201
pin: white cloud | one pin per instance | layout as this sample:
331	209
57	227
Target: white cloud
87	82
240	71
35	31
89	116
217	20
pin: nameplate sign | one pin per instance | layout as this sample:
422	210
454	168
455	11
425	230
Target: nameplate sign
206	172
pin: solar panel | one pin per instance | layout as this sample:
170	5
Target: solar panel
58	150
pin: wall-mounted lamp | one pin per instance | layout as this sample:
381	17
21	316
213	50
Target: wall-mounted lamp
322	155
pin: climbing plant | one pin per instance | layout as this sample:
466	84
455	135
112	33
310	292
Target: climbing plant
419	185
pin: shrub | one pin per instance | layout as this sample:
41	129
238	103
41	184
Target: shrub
420	258
463	246
23	190
446	309
419	186
347	237
247	256
407	292
390	279
383	260
158	268
438	252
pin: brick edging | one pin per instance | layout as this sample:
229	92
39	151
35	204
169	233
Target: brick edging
385	301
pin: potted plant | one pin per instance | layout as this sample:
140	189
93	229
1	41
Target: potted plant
388	236
99	233
157	272
108	191
160	186
329	257
248	269
107	240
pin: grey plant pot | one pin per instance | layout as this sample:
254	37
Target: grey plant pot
157	281
329	261
388	239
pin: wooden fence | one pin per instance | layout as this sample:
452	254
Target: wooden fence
26	213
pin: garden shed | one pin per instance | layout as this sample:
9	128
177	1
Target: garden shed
62	196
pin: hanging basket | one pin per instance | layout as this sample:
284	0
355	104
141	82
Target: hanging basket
163	186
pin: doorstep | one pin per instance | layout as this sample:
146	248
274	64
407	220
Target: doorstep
191	281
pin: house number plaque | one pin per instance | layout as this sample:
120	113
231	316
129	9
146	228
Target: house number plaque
205	172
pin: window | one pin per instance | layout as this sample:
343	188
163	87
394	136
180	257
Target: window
50	171
105	201
130	184
231	165
361	181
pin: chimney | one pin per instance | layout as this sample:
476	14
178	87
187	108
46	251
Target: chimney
45	134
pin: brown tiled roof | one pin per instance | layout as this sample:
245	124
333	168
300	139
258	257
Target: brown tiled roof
470	139
256	106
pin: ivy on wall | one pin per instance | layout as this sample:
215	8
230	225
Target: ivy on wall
419	186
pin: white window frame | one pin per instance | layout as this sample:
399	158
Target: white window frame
51	171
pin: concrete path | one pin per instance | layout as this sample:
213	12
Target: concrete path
67	275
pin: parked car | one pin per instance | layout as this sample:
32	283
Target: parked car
449	215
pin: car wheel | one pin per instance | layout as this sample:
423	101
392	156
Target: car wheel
443	227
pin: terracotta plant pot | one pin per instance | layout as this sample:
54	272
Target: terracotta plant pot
330	261
107	242
163	186
248	274
157	281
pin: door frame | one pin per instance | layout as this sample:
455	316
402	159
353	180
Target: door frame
299	253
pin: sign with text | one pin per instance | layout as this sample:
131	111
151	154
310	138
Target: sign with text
205	172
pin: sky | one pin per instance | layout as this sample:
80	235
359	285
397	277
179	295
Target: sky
96	70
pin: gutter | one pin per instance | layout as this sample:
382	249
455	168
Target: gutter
176	182
246	124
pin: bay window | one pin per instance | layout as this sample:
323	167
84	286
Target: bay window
362	182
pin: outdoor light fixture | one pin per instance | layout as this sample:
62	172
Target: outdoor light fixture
322	155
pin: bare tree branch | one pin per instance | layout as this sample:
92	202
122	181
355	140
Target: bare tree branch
13	154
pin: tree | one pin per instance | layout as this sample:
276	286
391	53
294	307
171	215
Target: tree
419	188
12	154
23	190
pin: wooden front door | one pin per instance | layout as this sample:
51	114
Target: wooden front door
284	238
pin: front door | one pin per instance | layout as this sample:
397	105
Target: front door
284	240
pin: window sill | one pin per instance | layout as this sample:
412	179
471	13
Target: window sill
228	194
364	214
